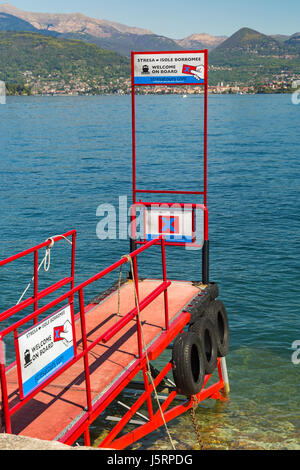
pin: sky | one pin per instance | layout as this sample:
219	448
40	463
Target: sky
178	19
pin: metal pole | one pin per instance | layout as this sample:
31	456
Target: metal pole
225	376
133	129
133	228
205	249
5	402
36	274
163	255
205	127
205	262
85	357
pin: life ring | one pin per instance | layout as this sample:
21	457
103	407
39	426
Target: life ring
188	364
205	330
218	315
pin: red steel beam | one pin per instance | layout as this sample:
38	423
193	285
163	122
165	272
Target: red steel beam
154	350
157	420
169	415
150	191
139	402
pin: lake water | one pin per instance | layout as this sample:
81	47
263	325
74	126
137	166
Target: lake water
61	157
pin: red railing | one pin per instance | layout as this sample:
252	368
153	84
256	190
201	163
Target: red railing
86	348
36	294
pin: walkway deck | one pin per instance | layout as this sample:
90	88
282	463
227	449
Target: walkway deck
55	412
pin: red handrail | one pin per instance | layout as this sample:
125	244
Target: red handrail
37	247
154	191
8	412
39	295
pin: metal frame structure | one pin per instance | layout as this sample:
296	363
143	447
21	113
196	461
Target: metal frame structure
136	191
31	301
39	295
95	408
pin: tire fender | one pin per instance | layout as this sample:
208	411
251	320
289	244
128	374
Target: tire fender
188	364
218	315
205	330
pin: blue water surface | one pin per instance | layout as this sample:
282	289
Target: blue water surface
61	157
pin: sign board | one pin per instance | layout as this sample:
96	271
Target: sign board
177	224
45	348
170	68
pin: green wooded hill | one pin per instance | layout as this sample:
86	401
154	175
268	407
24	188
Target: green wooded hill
249	41
253	56
246	57
46	55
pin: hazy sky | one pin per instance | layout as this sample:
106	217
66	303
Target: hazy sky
178	18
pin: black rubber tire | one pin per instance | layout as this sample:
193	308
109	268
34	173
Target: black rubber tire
188	364
218	315
205	330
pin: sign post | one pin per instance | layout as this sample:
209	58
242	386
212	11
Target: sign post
172	68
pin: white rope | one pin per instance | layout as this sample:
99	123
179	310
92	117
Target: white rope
46	261
129	259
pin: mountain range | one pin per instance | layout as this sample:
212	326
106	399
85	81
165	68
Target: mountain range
105	34
118	37
246	56
111	35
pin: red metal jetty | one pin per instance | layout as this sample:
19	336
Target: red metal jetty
71	363
108	354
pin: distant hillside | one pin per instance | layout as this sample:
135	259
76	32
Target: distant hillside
252	56
280	37
105	34
68	23
201	41
248	42
123	38
47	58
293	42
124	43
12	23
245	57
108	34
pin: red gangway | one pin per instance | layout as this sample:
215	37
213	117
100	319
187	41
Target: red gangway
107	354
114	338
